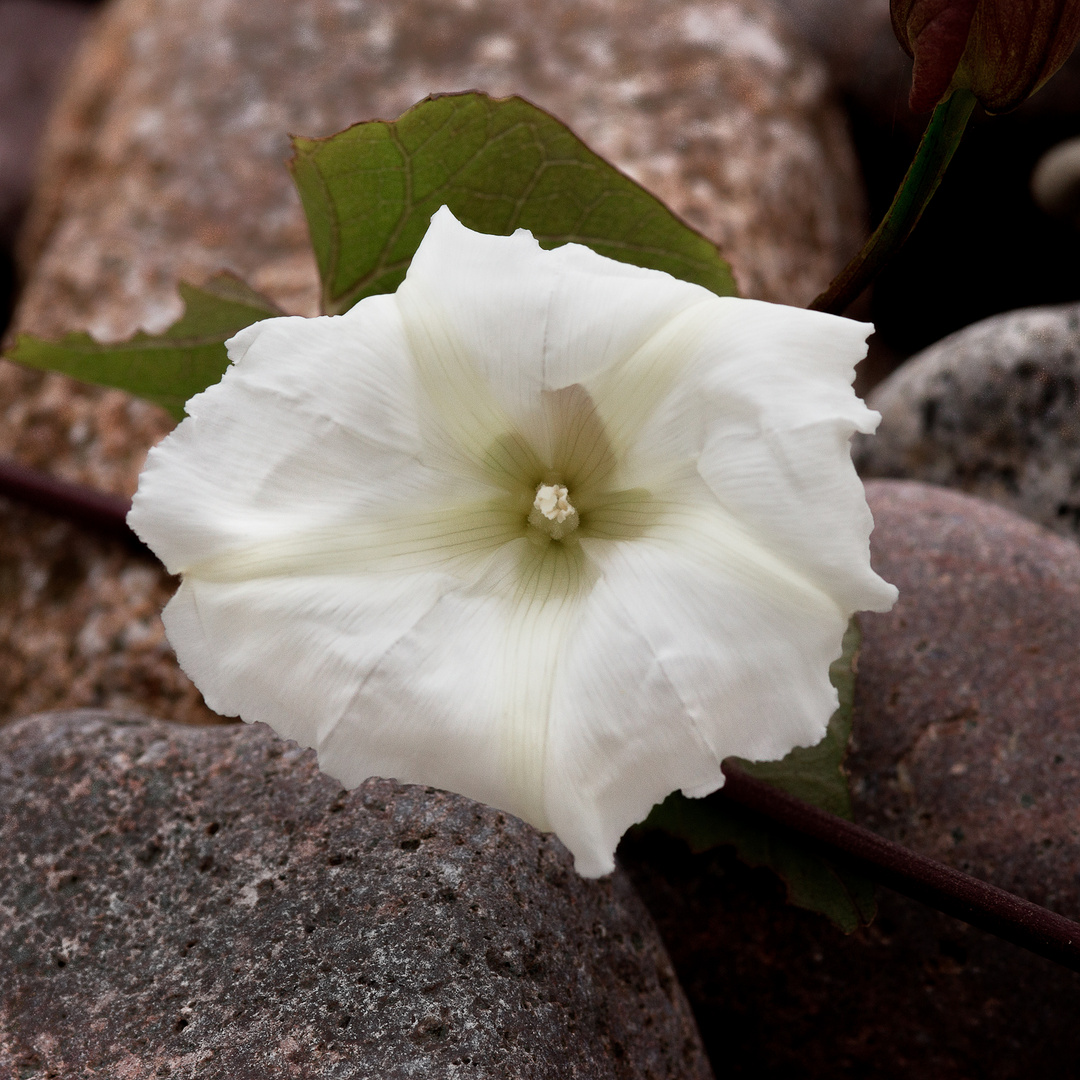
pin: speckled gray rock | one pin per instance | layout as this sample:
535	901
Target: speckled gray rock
202	902
967	749
993	410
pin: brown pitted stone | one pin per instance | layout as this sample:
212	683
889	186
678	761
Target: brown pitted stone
165	159
80	616
80	624
967	744
967	749
203	902
994	410
165	156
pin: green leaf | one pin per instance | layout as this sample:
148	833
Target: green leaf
168	368
814	774
500	165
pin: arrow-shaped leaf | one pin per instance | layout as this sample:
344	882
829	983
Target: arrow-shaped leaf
500	165
166	368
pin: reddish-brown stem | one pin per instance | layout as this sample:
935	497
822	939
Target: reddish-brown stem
938	886
935	884
101	512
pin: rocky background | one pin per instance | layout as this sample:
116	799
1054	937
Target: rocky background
179	902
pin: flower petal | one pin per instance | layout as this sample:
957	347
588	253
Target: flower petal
349	507
512	320
314	425
462	700
291	651
687	651
760	397
453	539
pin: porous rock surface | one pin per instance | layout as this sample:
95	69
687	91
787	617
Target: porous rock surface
165	160
203	902
80	623
966	748
80	617
967	738
993	410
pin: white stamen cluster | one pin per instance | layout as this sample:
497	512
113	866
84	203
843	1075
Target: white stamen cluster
552	501
552	512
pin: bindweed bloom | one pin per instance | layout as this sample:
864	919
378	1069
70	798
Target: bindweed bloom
541	528
1001	50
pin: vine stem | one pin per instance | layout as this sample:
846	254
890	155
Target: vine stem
939	142
101	512
933	883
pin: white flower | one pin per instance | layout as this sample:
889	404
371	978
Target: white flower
545	529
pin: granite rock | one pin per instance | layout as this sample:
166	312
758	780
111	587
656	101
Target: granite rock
993	410
203	902
80	618
967	740
80	624
165	160
966	748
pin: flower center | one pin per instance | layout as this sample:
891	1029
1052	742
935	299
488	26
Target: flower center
552	511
